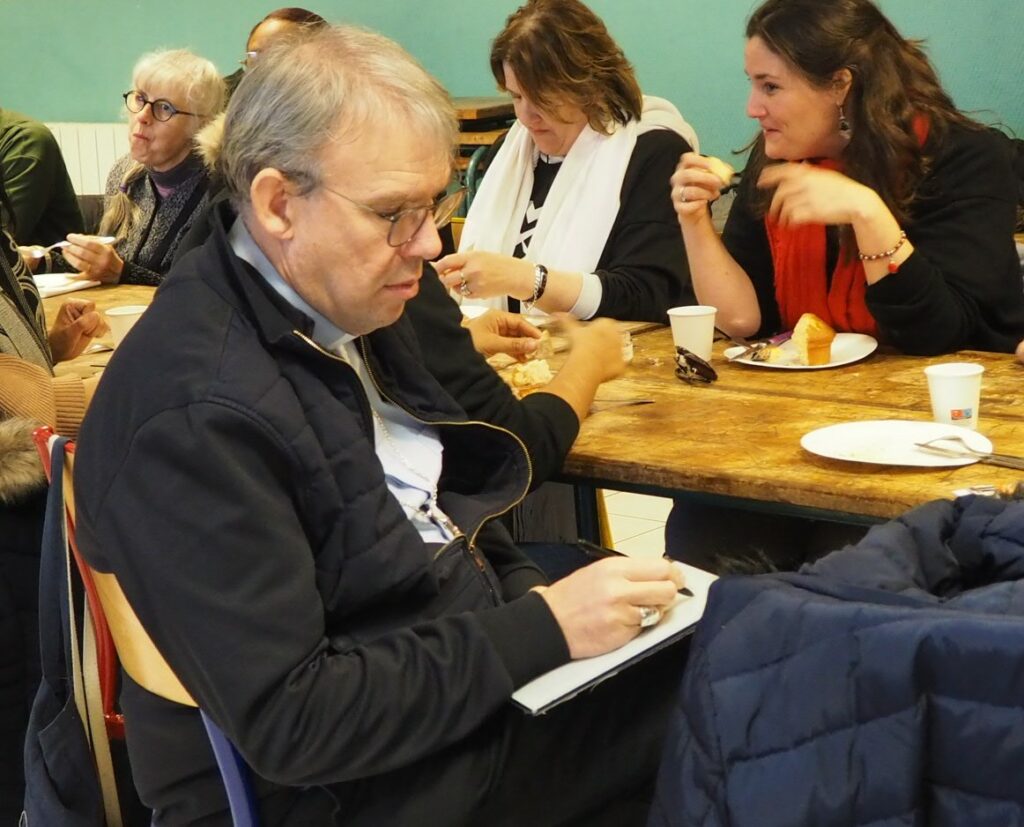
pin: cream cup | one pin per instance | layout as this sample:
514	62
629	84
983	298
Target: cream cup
693	328
121	320
955	391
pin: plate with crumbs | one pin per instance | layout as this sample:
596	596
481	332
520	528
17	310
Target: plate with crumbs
846	349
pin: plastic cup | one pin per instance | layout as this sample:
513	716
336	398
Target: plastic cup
121	320
693	328
955	391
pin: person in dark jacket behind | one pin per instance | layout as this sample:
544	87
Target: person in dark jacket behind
303	519
43	207
22	499
453	349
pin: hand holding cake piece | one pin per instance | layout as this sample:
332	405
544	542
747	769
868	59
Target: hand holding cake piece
720	168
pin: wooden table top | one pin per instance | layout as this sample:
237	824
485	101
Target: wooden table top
477	108
740	437
105	297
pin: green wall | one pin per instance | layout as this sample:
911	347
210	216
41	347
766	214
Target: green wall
68	60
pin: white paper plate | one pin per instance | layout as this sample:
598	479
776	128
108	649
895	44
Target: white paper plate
846	348
471	311
890	442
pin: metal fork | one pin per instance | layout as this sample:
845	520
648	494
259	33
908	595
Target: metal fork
965	451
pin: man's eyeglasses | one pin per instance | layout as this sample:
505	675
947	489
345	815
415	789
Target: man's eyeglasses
163	110
691	368
406	223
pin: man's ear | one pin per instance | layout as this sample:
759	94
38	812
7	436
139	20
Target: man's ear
271	196
841	82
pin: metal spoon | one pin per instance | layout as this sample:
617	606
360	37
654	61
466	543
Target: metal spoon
39	252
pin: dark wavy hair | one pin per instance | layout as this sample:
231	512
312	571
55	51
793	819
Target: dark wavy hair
562	53
292	14
894	85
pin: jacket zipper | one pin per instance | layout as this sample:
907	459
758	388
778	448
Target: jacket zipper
433	514
519	442
474	553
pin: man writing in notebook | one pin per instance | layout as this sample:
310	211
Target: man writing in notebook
304	521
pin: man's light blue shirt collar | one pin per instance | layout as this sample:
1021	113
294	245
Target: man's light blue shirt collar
325	333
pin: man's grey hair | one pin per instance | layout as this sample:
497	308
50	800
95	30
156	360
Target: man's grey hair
333	84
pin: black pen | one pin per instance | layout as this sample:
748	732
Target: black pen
600	552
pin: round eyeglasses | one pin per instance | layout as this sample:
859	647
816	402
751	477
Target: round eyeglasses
162	109
406	223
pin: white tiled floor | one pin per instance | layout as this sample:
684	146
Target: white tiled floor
637	522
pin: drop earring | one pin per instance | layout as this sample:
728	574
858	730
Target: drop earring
845	132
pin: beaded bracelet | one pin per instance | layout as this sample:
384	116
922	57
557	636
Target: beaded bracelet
889	254
540	284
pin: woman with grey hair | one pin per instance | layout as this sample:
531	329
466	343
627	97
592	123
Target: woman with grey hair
155	191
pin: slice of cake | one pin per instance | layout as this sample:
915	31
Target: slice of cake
720	168
812	339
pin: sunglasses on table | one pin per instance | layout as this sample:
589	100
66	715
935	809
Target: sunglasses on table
691	368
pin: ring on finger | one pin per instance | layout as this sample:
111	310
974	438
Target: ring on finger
464	288
649	616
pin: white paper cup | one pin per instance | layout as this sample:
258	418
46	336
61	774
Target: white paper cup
955	390
121	320
693	328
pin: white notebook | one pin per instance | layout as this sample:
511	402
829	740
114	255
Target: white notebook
567	681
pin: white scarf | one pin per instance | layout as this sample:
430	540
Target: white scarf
581	206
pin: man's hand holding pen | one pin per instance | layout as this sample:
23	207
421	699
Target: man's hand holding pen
600	553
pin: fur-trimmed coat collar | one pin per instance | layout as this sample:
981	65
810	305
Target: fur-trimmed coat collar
21	472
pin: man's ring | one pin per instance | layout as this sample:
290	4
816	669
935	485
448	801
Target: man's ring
682	194
464	288
649	616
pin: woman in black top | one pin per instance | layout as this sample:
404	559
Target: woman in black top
574	212
868	198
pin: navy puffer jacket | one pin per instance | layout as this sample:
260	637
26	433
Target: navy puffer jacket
882	685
